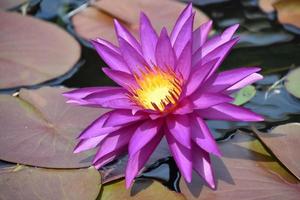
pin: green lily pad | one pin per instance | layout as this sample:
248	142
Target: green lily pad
292	82
244	95
143	189
20	182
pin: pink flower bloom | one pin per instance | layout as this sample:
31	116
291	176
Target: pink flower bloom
169	86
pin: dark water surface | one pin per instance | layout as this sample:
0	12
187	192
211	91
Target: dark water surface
264	42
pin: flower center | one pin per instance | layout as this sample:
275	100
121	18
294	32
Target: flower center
157	89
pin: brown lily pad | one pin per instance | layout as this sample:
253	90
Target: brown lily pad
97	20
36	183
246	171
33	51
288	12
267	5
284	142
38	128
143	189
7	4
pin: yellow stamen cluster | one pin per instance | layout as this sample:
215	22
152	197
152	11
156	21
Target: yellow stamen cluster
157	89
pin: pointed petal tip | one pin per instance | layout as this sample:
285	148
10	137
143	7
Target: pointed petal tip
128	183
76	150
212	185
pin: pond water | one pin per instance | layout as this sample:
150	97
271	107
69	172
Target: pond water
264	42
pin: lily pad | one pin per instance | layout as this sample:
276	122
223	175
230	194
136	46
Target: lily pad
292	82
284	142
267	5
36	183
246	171
244	95
97	20
8	4
33	51
288	12
143	189
38	128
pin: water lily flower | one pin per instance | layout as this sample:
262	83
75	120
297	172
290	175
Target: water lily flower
168	87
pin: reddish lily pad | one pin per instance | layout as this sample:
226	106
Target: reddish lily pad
284	142
36	183
246	171
33	51
97	20
38	128
288	12
143	189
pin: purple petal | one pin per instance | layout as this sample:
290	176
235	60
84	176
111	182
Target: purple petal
228	78
110	157
219	40
183	17
116	140
229	112
148	39
179	127
107	97
206	100
182	156
138	160
86	144
184	36
164	53
198	76
111	57
244	82
183	65
122	32
184	107
144	134
125	80
121	117
200	35
220	52
83	92
202	165
96	128
133	58
202	136
108	45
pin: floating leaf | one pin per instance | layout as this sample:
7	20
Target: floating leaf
38	128
284	142
246	171
292	82
33	51
8	4
288	12
244	95
143	189
36	183
267	5
97	21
